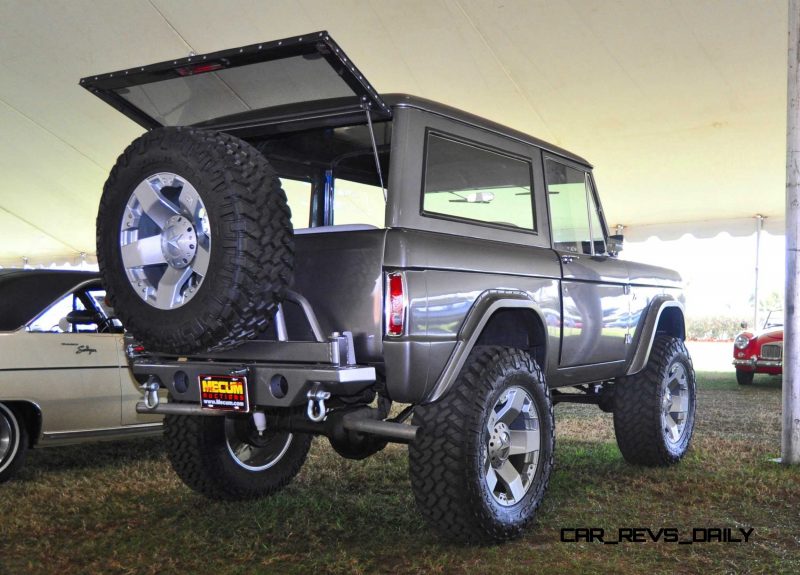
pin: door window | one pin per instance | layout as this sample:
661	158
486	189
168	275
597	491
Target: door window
54	318
575	218
51	319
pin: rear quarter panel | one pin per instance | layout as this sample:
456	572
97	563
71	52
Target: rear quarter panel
445	276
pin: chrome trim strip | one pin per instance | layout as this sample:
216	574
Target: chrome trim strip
4	369
757	363
98	433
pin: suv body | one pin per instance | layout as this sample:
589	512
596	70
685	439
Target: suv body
488	237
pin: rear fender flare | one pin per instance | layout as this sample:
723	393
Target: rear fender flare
486	304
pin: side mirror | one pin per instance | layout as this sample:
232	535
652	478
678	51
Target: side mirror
81	317
614	244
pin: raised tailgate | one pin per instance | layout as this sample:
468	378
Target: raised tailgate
199	88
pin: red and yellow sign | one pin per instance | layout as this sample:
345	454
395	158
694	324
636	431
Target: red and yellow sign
223	392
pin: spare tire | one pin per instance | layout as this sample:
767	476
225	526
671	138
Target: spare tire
194	240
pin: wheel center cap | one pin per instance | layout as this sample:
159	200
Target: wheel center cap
178	242
499	444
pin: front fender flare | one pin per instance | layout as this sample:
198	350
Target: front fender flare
647	330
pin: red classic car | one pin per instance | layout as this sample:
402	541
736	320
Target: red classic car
760	352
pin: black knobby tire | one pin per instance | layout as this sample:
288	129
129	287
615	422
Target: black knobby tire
198	449
639	404
447	461
13	442
251	256
744	377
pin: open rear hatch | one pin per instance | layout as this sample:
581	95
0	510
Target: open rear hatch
234	84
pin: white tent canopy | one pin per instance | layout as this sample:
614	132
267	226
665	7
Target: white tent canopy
680	105
704	228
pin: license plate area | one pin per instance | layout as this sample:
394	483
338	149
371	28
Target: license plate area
224	393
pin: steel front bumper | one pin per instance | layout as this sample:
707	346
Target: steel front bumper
759	365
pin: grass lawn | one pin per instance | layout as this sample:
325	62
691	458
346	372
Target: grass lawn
119	508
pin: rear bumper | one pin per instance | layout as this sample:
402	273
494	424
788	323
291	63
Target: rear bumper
278	373
182	379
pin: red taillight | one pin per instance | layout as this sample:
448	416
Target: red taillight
395	304
198	69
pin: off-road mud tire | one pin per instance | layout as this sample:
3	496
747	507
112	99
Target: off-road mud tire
251	258
445	460
197	449
638	403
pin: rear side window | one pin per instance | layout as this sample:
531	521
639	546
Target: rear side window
468	182
357	203
298	195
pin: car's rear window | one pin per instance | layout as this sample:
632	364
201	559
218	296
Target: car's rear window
24	295
199	97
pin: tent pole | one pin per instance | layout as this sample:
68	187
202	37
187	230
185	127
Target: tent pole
759	224
790	440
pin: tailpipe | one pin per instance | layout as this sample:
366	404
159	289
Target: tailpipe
396	432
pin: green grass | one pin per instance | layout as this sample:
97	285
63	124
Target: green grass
118	508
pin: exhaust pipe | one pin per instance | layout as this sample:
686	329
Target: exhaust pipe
395	432
175	409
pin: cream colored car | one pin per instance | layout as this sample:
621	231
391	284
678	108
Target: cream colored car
63	371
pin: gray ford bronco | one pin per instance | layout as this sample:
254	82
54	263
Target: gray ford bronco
296	255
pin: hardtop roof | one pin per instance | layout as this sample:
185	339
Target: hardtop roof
334	112
243	90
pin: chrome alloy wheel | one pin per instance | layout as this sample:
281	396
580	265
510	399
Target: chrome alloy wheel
510	454
675	403
165	240
255	452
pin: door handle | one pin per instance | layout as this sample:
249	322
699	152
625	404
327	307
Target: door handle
568	259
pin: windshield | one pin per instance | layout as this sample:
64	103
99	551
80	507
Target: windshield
774	319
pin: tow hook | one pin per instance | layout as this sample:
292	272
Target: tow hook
150	391
316	410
